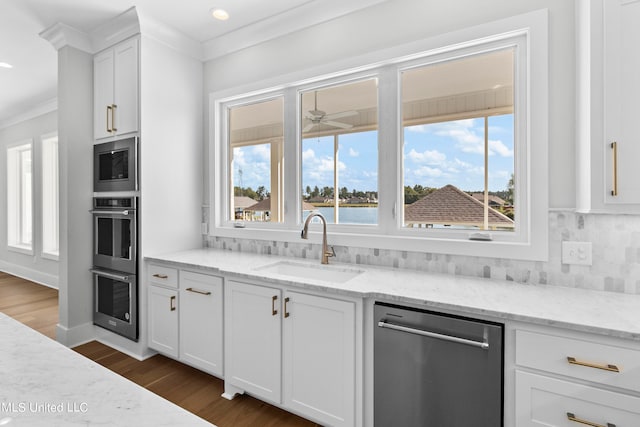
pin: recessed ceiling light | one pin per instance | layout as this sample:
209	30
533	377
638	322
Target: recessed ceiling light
5	65
220	14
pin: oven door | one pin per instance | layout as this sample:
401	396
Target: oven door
116	302
115	166
114	239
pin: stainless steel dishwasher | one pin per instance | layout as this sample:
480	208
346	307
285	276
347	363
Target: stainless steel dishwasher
436	370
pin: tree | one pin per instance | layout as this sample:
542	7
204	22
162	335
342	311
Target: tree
315	192
410	195
510	190
308	191
344	193
261	192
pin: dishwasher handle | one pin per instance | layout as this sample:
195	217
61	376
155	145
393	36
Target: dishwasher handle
483	345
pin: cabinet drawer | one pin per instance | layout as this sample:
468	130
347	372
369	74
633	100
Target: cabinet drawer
550	353
162	275
190	278
544	401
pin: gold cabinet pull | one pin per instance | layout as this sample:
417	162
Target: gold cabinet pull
614	147
572	417
286	313
109	110
161	276
113	117
198	291
172	303
274	310
610	368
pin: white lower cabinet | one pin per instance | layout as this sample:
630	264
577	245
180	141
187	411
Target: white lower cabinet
313	339
201	321
564	379
319	358
163	320
252	340
185	317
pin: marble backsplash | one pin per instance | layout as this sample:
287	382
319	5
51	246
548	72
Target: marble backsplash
615	242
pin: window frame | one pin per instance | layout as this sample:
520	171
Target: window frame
53	255
14	197
528	31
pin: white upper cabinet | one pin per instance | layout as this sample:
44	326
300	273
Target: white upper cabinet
116	90
621	95
608	139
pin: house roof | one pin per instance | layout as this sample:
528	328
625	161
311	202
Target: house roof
265	206
243	202
451	206
493	200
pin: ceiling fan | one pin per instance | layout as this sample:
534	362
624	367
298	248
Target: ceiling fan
317	117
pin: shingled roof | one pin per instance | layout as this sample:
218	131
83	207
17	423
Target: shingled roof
451	206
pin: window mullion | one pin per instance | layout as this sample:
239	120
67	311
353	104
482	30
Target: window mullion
292	168
390	195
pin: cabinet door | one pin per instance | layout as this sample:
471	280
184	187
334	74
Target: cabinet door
163	320
102	93
319	358
253	339
201	321
622	91
125	98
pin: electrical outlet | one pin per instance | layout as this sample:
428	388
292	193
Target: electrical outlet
577	253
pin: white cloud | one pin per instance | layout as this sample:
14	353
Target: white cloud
499	148
308	155
353	153
430	157
426	171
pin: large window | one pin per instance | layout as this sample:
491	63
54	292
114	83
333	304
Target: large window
19	197
439	151
340	152
50	195
459	143
256	161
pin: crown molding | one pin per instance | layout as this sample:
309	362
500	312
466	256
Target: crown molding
38	110
61	35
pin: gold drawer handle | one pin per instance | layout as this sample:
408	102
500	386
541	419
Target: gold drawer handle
161	276
197	291
610	368
274	311
573	418
172	303
614	147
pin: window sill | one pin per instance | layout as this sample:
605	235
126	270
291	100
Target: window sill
50	255
23	249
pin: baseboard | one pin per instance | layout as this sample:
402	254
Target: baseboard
45	279
72	337
137	350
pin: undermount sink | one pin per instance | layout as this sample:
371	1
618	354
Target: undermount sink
325	273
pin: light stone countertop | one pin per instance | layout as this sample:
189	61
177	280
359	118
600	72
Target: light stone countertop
606	313
43	383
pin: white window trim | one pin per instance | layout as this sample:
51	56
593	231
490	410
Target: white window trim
49	254
531	244
17	247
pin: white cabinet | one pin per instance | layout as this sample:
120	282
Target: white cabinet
313	339
116	90
319	358
571	379
608	139
185	316
621	94
201	321
252	340
163	320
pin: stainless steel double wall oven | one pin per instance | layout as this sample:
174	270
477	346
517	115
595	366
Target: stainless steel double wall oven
115	237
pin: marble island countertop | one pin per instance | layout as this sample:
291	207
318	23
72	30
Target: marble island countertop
43	383
605	313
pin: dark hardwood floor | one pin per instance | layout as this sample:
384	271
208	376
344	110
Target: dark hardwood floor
37	307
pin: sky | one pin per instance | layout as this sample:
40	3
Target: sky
434	155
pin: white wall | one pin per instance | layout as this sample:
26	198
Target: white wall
314	51
33	267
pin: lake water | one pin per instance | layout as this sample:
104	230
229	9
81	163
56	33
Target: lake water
348	215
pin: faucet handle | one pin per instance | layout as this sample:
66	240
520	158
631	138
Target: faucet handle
332	253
